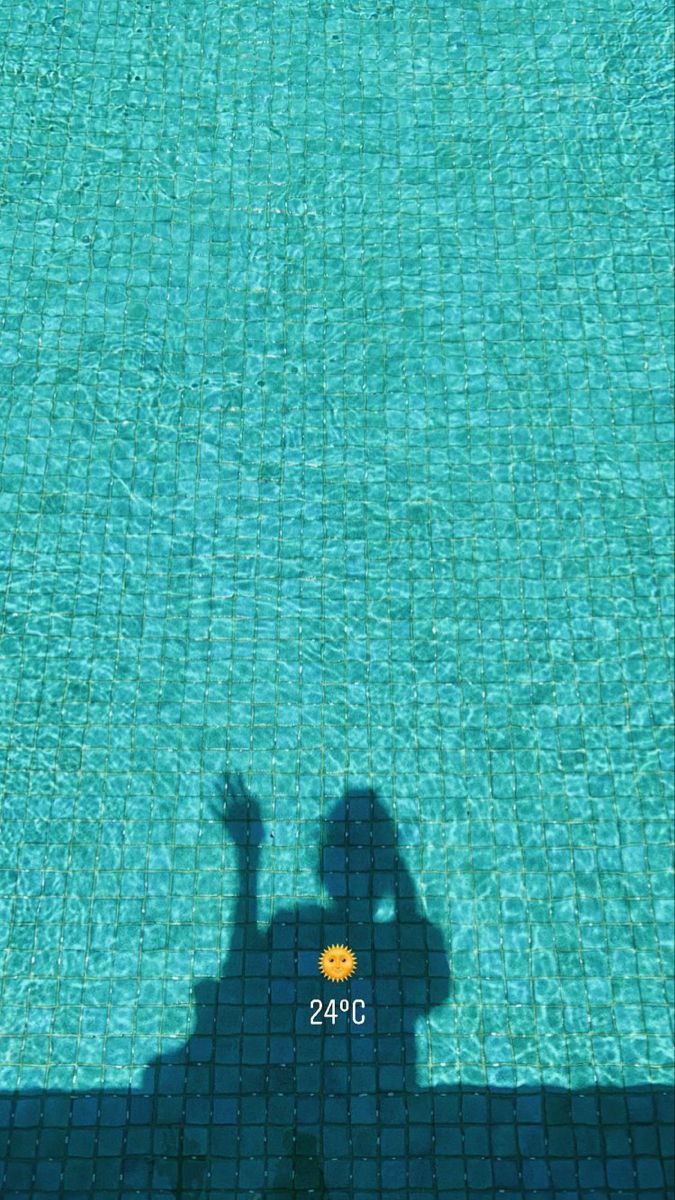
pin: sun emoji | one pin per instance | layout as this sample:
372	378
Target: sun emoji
338	963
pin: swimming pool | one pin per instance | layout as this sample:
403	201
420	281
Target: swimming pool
336	355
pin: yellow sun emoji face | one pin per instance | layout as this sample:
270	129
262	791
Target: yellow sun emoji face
338	963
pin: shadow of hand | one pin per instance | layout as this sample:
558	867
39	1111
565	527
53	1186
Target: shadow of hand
242	813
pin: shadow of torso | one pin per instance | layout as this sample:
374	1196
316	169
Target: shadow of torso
300	1089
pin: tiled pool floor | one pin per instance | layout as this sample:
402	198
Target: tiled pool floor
336	450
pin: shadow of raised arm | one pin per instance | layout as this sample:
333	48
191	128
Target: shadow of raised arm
241	815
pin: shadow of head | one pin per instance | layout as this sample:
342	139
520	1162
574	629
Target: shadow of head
359	856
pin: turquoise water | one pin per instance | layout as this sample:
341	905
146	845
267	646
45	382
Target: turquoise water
336	375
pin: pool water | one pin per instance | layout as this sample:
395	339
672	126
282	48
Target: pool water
336	364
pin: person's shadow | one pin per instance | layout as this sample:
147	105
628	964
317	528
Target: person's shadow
293	1086
317	1096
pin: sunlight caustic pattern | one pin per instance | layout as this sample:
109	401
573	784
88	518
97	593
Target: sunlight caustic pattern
336	448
